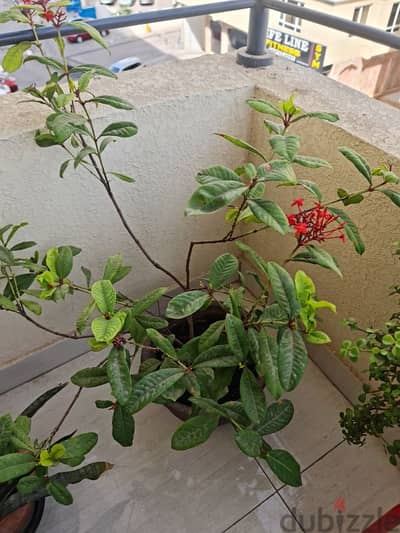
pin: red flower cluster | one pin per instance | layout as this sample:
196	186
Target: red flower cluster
55	16
315	224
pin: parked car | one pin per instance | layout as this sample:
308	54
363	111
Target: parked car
83	36
147	2
9	81
128	63
107	2
126	3
4	89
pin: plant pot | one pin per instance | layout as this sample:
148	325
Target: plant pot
26	519
201	321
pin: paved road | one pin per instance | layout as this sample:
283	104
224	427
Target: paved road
161	43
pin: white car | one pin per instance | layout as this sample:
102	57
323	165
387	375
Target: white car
128	63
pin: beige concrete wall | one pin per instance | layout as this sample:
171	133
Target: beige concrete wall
179	106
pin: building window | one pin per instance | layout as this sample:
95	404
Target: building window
360	14
289	21
394	19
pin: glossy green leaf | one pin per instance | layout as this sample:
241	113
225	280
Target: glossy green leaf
249	442
22	282
123	177
114	269
90	377
268	365
119	375
6	256
358	161
222	270
214	195
23	246
83	317
262	106
318	337
277	416
394	196
7	304
256	259
211	335
252	397
33	307
152	322
97	69
312	188
237	337
161	342
316	255
147	301
113	101
104	330
241	144
311	162
329	117
104	295
151	386
30	484
64	262
292	358
14	465
194	432
123	426
216	357
212	174
14	56
270	214
88	28
186	303
286	146
120	129
77	447
284	466
60	493
350	229
283	289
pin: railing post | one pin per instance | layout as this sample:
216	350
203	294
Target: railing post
255	53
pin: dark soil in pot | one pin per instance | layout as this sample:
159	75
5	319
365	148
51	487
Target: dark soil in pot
26	519
201	321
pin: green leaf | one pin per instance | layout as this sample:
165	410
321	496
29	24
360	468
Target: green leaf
283	289
123	177
22	282
278	416
268	366
64	262
6	256
270	214
152	322
114	270
60	493
90	377
394	196
97	69
311	162
120	129
216	356
105	330
194	432
286	146
241	144
147	301
211	406
252	397
14	57
272	127
83	317
30	484
14	465
77	447
161	342
104	295
149	365
249	442
358	161
123	426
48	61
34	407
214	195
262	106
257	260
277	170
311	187
284	466
212	174
211	335
7	304
186	303
88	276
32	306
151	386
23	246
329	117
237	337
316	255
82	154
292	358
113	101
318	337
119	375
87	28
84	80
222	270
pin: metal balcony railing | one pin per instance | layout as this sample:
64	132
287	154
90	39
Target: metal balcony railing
255	53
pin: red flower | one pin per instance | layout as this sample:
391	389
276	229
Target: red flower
315	224
299	202
48	15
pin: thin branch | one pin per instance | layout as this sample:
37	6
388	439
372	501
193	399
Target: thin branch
53	331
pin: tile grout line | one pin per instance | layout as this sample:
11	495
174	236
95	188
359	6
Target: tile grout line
249	512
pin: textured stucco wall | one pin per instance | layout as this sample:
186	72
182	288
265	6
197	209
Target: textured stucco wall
179	106
370	128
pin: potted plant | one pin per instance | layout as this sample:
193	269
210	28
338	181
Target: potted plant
378	407
209	355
